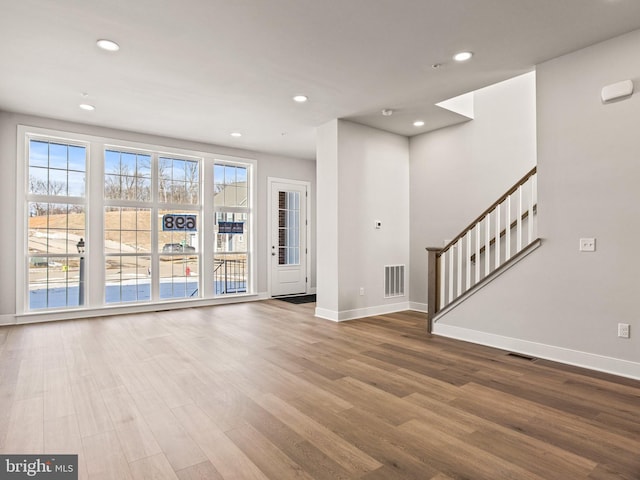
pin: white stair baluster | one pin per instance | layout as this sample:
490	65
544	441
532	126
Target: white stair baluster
467	259
459	268
507	231
478	246
443	278
487	245
534	199
519	221
496	249
530	210
452	255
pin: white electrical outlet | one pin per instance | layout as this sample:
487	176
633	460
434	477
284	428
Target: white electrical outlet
587	244
624	330
361	290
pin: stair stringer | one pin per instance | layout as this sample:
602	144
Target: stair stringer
487	280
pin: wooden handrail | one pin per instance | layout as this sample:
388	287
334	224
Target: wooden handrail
504	231
489	210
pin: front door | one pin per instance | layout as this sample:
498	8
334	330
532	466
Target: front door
288	238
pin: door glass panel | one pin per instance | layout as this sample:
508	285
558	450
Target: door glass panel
288	228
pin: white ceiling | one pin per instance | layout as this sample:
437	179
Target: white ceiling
201	69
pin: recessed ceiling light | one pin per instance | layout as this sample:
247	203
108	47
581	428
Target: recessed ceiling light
236	134
387	112
462	56
108	45
86	106
418	123
300	98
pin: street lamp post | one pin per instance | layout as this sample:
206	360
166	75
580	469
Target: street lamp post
80	247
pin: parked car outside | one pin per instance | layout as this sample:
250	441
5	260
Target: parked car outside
177	248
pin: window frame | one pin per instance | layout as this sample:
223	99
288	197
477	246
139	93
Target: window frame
95	203
23	257
248	209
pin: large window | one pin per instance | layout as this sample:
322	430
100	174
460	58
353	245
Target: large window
56	222
232	228
127	226
131	206
131	229
179	194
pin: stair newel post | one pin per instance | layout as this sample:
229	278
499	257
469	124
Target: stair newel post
433	277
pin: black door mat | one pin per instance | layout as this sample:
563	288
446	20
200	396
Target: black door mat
298	299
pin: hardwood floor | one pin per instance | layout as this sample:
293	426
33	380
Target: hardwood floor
265	390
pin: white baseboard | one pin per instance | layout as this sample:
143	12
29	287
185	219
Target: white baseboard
344	315
418	307
327	314
615	366
72	314
7	319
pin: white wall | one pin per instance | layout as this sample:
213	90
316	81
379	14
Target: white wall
8	208
457	172
371	171
267	166
327	217
560	303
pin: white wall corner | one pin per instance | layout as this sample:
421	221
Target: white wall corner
615	366
327	314
418	307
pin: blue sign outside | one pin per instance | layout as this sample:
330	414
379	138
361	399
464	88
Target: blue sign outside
231	227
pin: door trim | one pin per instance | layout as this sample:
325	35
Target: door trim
307	230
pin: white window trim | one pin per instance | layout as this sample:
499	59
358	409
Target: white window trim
250	209
95	203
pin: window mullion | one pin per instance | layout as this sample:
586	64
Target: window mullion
95	266
155	257
208	225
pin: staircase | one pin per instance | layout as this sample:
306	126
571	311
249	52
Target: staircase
503	234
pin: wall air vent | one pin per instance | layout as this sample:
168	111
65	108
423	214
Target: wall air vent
393	281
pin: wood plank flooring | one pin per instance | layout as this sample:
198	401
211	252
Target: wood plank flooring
266	391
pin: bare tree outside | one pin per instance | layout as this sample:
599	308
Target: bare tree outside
178	181
192	179
164	179
124	182
39	186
